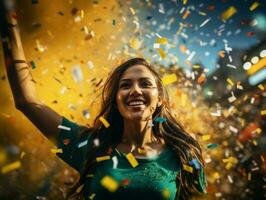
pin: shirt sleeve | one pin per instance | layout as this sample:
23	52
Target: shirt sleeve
75	142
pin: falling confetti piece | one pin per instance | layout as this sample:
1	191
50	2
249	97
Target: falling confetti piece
78	190
161	40
92	196
229	13
132	160
22	154
206	137
105	122
160	119
230	81
168	79
109	183
263	112
102	158
10	167
212	146
57	151
162	53
187	168
254	6
261	87
64	127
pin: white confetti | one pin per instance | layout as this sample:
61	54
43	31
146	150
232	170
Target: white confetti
64	127
82	143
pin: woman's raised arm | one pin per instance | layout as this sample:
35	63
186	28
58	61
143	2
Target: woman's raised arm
19	77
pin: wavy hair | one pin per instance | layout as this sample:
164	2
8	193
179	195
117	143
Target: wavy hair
183	144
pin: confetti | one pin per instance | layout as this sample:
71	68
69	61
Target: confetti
132	160
188	168
263	112
206	137
168	79
82	144
161	40
109	183
254	6
195	163
10	167
261	87
92	196
115	162
229	13
162	53
230	81
102	158
22	154
55	151
78	190
212	146
64	127
105	122
160	119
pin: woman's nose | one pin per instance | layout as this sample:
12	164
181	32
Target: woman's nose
135	89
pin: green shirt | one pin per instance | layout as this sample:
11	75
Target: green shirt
153	178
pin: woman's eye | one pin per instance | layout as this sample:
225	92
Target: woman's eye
146	84
124	85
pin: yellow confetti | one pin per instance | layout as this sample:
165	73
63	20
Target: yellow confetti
258	130
188	168
263	112
254	6
105	122
141	151
249	176
57	151
228	13
109	183
92	196
162	40
255	142
132	160
90	175
230	82
22	154
168	79
132	11
162	53
135	43
78	190
216	175
228	166
185	2
261	87
206	137
231	159
102	158
166	193
11	167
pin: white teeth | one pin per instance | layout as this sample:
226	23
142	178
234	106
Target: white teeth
133	103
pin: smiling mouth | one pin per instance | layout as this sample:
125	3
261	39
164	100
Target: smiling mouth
136	103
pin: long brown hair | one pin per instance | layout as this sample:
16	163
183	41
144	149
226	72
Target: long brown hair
185	146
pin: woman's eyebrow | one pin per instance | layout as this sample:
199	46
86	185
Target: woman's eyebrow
142	78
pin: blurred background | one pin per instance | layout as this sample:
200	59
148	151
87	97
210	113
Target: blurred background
215	48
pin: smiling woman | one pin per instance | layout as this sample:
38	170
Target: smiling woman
128	153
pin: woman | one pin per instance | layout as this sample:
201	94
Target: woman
136	148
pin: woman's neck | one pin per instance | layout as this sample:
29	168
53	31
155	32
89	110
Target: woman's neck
138	133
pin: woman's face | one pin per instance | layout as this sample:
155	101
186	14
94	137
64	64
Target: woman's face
137	96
